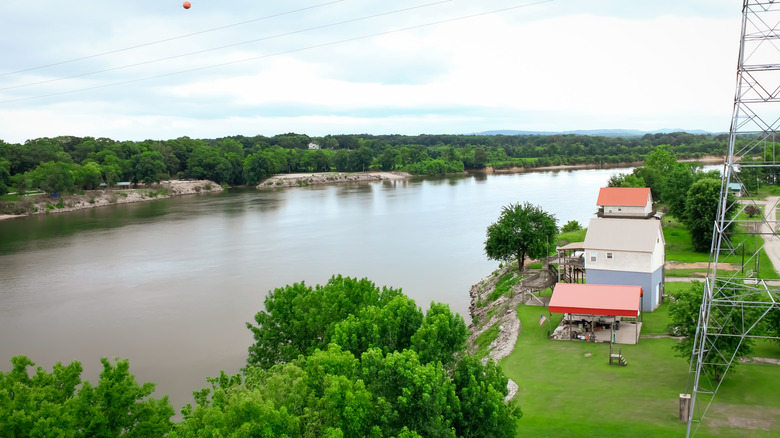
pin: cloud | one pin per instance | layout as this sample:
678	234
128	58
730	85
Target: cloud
555	66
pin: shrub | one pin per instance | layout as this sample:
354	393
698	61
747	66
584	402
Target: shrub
571	226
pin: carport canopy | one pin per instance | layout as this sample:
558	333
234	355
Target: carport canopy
596	299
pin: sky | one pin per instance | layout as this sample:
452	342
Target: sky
150	69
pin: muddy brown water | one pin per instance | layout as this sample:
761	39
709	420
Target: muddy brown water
170	283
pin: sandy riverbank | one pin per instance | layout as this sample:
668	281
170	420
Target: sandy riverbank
101	198
308	179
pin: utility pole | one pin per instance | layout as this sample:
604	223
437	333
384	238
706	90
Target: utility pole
733	306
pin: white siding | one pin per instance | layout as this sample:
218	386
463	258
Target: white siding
622	210
625	261
659	254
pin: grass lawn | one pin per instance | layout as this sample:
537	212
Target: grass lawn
564	393
679	249
571	236
678	243
10	198
685	272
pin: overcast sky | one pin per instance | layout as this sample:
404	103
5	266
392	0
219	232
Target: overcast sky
149	69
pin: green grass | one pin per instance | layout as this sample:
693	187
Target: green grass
564	393
678	243
685	272
571	236
483	340
767	190
656	323
10	198
504	285
673	288
751	243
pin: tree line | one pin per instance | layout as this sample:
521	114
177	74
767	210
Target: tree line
84	163
342	359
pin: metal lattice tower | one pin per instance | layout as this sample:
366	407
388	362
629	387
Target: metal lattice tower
738	305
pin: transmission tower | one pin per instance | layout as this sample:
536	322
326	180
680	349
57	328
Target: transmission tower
737	305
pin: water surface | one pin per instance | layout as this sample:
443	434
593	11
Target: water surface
170	283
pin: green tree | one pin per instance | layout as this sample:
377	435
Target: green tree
41	405
87	176
441	335
257	168
676	185
149	167
208	163
418	396
701	208
684	317
521	230
625	180
5	175
389	328
480	157
118	405
47	404
341	159
571	226
360	160
657	166
299	319
481	390
52	177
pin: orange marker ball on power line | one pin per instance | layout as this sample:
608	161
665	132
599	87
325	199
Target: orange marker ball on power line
187	5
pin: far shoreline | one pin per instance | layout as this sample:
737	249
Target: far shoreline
287	180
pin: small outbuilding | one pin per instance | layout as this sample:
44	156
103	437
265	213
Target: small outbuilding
597	312
625	202
736	189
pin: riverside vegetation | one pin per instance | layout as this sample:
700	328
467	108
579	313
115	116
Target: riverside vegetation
342	359
67	164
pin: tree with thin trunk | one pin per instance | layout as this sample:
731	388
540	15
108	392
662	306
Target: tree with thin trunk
521	230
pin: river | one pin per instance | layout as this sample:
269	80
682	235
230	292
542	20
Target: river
171	283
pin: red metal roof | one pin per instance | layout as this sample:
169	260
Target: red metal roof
629	196
596	299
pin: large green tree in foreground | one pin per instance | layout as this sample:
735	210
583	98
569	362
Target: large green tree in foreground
350	359
398	374
49	404
521	231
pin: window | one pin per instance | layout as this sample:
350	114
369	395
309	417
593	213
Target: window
593	256
620	209
609	255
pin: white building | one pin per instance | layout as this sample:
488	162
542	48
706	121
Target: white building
627	252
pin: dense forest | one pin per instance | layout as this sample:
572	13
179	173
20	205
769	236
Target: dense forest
76	163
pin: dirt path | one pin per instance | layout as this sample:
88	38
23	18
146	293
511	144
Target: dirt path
771	240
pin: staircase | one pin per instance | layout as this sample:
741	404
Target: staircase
617	358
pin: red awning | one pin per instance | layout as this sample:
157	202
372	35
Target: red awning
596	299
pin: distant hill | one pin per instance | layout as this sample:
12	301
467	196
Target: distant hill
595	132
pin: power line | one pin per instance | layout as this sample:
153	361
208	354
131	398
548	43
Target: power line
214	29
198	52
254	58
